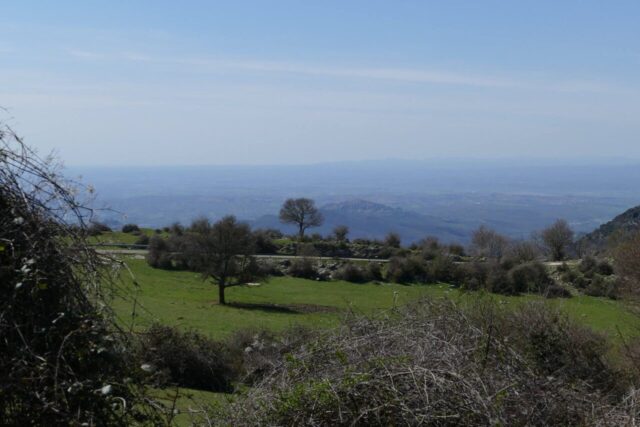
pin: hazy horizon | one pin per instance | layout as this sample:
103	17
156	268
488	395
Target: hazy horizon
432	161
447	200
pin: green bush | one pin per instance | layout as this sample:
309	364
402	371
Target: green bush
588	266
188	359
556	291
143	240
531	277
600	286
98	228
130	228
304	268
374	271
159	253
442	269
472	276
264	242
604	268
352	273
498	281
406	270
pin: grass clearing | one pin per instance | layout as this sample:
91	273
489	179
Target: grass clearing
182	299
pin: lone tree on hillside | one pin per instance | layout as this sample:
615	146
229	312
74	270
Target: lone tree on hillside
223	252
301	212
558	238
341	232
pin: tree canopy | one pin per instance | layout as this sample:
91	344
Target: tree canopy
223	252
303	213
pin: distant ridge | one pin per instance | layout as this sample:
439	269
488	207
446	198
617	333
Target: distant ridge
613	231
367	219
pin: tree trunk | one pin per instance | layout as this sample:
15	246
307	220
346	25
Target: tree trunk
301	233
221	293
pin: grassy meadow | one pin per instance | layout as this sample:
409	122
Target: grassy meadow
182	299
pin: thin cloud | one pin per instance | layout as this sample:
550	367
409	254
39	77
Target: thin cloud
83	54
406	75
395	74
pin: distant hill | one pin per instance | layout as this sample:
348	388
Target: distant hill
613	231
444	198
367	219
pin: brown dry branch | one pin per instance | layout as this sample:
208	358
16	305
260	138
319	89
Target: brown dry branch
63	360
435	364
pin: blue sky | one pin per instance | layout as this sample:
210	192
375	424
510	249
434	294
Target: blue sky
261	82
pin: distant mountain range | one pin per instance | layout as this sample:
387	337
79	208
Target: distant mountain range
367	219
614	231
446	199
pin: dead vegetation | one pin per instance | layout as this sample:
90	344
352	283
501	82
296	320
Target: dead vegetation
62	360
435	364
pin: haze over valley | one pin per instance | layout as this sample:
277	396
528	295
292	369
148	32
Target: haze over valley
446	199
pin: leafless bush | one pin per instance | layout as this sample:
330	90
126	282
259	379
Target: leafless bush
62	360
627	264
434	364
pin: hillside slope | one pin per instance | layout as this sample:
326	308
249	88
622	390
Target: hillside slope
613	231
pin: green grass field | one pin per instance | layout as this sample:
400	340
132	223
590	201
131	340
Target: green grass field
182	299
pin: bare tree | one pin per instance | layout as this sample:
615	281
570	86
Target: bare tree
627	262
488	243
223	252
558	238
301	212
341	232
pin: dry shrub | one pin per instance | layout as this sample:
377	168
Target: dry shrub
558	346
63	361
435	364
261	350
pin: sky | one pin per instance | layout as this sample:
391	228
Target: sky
294	82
